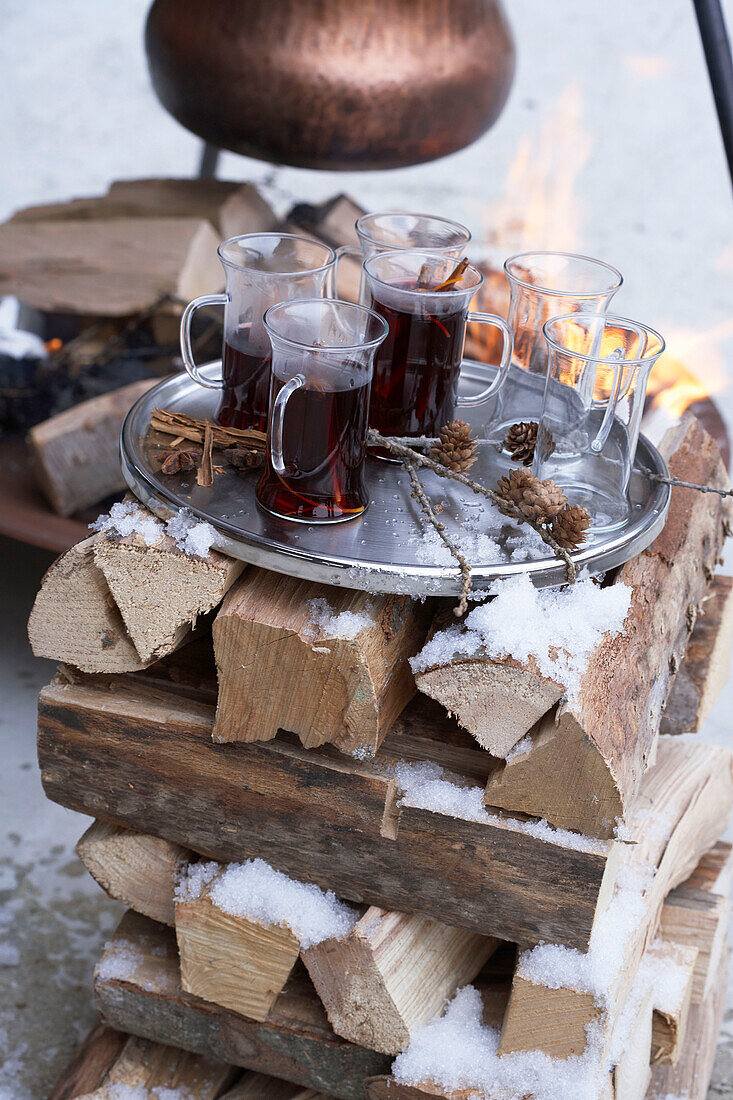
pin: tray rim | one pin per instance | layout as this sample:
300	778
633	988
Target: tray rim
424	580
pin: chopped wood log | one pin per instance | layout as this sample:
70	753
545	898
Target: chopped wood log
694	785
279	670
391	974
132	867
77	453
238	963
706	668
669	1020
111	267
75	618
296	1042
161	591
582	765
259	1086
690	1077
139	753
699	919
90	1064
631	1074
714	872
147	1066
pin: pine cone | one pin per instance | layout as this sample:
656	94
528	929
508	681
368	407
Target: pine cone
520	441
569	526
539	501
456	449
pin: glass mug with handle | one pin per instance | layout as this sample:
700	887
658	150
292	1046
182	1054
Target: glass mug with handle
322	357
261	270
597	374
389	231
417	368
544	285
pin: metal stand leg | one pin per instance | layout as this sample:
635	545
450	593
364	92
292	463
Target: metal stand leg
209	161
716	45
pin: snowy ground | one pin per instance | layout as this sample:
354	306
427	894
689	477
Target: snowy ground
610	124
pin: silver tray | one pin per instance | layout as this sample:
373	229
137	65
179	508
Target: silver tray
387	549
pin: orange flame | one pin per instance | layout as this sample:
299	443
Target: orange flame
691	369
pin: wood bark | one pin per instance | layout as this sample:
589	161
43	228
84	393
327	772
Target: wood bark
391	974
77	453
146	1066
161	591
132	867
142	756
296	1042
277	670
230	960
113	267
75	618
669	1021
706	668
694	784
581	767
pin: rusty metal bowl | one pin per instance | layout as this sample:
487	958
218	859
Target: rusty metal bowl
335	84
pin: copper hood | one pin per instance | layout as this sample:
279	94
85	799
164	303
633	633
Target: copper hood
335	84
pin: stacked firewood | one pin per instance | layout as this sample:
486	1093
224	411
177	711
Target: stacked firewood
323	839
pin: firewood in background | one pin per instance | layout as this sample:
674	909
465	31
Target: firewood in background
343	678
143	1067
134	868
694	784
580	767
75	618
669	1019
113	267
333	223
91	1063
706	667
76	453
232	961
391	974
159	590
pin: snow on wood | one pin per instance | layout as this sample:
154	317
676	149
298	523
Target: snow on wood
392	973
135	868
328	664
672	982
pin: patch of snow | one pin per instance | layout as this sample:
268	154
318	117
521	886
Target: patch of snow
347	624
522	746
193	536
9	955
427	786
119	962
119	1090
558	627
127	517
193	878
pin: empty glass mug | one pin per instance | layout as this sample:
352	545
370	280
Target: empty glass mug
394	229
322	357
261	270
416	370
597	374
544	285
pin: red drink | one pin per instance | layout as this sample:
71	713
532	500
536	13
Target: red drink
323	447
245	397
416	370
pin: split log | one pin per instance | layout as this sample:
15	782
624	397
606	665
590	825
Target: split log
296	1042
112	267
90	1064
391	974
631	1074
259	1086
706	668
159	590
143	1067
694	785
134	868
77	453
698	918
75	618
278	670
669	1019
582	765
232	961
137	750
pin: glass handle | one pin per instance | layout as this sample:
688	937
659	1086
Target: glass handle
187	350
506	358
341	251
605	428
276	423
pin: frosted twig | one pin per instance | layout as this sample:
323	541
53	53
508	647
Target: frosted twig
418	492
677	483
408	455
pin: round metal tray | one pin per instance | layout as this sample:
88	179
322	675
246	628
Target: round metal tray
387	549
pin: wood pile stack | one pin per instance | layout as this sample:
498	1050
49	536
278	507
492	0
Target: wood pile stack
317	857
